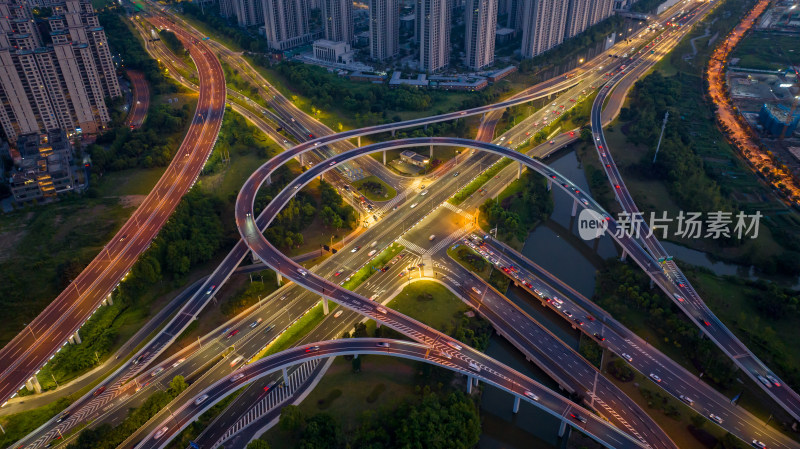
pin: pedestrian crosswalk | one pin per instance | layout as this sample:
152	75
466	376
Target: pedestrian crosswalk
413	247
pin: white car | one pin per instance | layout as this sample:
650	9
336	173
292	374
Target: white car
531	395
337	314
475	289
237	377
200	399
715	418
414	205
627	357
759	444
161	432
302	271
423	193
655	377
455	346
474	366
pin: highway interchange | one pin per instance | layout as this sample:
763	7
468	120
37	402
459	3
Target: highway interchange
476	163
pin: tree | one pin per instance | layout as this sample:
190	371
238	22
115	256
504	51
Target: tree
292	419
177	385
258	444
360	331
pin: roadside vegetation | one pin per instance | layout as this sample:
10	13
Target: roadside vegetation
519	208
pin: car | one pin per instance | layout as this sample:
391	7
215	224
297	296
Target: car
381	310
715	418
617	186
432	237
302	272
200	399
599	337
414	205
211	289
552	142
774	380
269	328
759	444
538	292
686	399
655	377
590	318
373	297
161	432
382	344
312	349
445	355
337	314
297	186
704	322
99	391
338	273
578	321
455	346
423	193
237	377
627	357
270	385
578	417
463	113
476	290
122	239
256	323
355	249
764	381
63	416
332	163
678	297
157	371
531	395
456	174
568	313
232	333
474	366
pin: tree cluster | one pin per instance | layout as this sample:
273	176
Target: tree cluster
432	421
172	42
516	214
107	436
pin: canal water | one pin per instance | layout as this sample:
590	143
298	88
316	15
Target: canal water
576	263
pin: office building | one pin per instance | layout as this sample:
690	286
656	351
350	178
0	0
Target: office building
248	12
42	166
337	18
333	52
480	28
286	23
56	81
433	34
543	25
384	29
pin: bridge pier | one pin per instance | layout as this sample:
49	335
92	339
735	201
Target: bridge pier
549	185
108	301
301	159
384	158
574	207
431	156
651	283
279	277
562	429
392	133
285	376
269	179
483	117
33	384
516	405
254	256
425	128
469	384
519	170
359	142
324	301
624	255
75	338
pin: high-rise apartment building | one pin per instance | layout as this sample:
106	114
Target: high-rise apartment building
543	24
480	28
601	10
384	29
248	12
337	17
56	81
433	34
286	23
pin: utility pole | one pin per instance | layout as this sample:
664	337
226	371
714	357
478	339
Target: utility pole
663	126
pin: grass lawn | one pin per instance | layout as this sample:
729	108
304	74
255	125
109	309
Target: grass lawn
136	181
383	382
380	192
367	270
479	181
20	424
767	51
431	303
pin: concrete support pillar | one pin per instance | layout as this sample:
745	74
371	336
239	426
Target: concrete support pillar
269	179
355	356
392	133
29	385
75	338
110	300
483	117
359	141
651	283
384	157
285	376
475	380
254	256
425	128
516	404
574	207
279	277
324	305
519	171
562	429
624	255
431	156
301	159
36	386
549	185
104	302
469	384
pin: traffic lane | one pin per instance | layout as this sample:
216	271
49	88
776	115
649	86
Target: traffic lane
548	401
646	359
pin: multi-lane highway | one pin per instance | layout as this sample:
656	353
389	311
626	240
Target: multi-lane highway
669	276
29	350
140	99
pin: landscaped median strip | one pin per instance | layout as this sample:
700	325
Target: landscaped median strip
368	268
